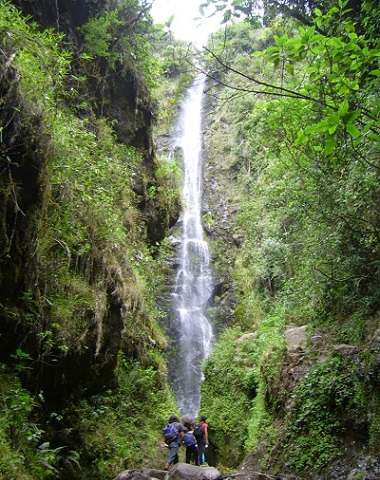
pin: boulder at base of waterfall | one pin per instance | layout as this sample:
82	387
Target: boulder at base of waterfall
181	471
132	475
154	473
185	471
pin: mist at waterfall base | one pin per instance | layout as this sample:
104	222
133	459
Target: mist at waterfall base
191	330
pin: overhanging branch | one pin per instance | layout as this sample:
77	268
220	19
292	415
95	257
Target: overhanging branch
272	89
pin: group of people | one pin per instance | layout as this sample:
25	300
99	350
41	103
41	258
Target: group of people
193	436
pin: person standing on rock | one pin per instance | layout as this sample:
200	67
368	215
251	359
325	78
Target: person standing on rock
173	435
191	447
201	434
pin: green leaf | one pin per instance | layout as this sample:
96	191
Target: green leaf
374	136
301	138
280	41
272	50
352	130
343	108
289	68
169	21
335	42
330	145
274	58
227	16
351	116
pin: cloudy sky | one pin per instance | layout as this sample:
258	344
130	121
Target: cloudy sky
184	26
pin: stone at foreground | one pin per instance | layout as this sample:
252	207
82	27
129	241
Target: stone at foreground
184	471
132	475
154	473
181	471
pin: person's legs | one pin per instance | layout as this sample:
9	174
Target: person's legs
201	446
195	455
173	456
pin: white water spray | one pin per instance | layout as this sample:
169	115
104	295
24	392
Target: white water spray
194	284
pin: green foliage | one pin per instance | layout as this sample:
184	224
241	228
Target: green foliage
23	455
232	387
168	192
121	428
374	424
44	65
262	430
345	108
326	405
176	60
91	280
226	396
92	185
97	34
120	34
302	138
89	222
174	56
233	10
89	216
300	184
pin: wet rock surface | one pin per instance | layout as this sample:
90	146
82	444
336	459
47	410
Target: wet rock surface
180	471
184	471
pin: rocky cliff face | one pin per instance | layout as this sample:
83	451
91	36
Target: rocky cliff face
118	94
126	102
95	291
220	207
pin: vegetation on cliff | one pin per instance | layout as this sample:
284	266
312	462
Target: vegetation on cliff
84	203
298	127
292	190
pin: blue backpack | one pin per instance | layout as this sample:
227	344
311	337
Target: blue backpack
170	432
189	439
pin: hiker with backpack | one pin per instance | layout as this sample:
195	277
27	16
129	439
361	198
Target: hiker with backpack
201	434
191	447
173	434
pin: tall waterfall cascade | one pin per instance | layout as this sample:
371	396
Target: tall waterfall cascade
194	283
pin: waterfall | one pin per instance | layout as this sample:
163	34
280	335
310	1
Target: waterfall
194	285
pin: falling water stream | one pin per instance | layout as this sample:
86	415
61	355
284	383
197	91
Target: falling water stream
194	285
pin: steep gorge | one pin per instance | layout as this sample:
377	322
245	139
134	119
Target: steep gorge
292	386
